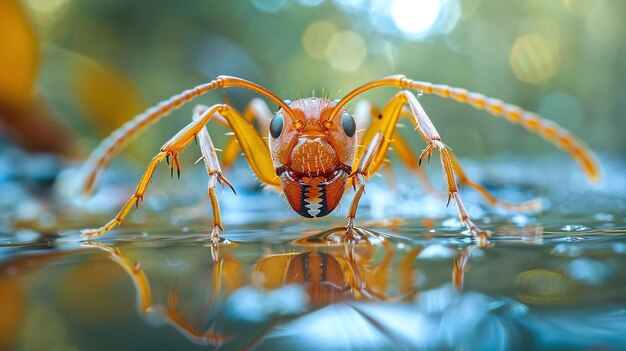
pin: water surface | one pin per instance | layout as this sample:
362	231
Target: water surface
548	280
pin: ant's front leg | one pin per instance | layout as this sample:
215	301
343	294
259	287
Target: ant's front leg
214	171
170	149
360	175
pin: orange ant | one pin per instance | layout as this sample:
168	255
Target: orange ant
313	151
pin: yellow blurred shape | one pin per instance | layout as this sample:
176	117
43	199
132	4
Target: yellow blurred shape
580	8
107	95
315	38
46	6
19	60
46	12
346	51
534	58
544	287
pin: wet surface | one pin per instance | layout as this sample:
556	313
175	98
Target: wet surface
547	280
542	286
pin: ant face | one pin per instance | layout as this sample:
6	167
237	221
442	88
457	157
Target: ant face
313	161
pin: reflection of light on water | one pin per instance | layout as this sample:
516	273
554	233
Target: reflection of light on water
415	16
255	305
589	271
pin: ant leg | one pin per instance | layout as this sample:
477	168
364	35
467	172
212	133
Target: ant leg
460	265
359	176
251	143
404	151
102	155
171	148
433	140
247	139
214	171
550	131
381	121
257	110
144	298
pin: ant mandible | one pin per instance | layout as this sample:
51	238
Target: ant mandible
313	150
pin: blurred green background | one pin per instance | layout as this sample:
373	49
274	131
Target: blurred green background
105	60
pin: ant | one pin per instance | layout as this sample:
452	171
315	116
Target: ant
313	150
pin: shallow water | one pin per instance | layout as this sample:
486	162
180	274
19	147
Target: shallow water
548	280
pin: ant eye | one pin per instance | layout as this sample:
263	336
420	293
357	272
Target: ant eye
276	126
349	126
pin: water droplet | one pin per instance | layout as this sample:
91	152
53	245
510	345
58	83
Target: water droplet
574	228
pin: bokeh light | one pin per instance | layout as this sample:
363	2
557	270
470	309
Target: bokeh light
534	58
315	38
346	51
604	24
415	17
47	11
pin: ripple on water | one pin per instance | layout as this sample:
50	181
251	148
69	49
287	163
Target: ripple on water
574	228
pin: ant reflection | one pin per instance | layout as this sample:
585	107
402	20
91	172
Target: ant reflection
320	270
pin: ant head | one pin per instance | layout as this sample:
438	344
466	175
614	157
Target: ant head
313	158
